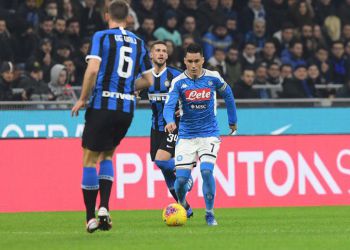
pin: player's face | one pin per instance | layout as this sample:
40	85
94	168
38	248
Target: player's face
159	54
194	63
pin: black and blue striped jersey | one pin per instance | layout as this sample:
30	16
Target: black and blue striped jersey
123	57
157	95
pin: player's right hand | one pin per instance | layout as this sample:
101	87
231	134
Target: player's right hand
78	105
233	129
170	127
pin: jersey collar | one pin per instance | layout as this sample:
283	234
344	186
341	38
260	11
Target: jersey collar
160	73
203	73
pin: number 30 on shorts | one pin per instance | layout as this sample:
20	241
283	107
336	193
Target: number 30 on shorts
172	137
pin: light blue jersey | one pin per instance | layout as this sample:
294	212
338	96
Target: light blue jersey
197	103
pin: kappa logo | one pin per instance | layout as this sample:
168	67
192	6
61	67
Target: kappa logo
183	86
195	95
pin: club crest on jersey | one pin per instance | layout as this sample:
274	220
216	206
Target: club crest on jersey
195	95
167	83
210	83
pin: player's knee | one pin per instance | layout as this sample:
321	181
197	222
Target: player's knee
182	180
206	174
165	165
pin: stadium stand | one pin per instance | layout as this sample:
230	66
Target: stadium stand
299	46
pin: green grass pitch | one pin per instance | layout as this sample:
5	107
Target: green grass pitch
244	228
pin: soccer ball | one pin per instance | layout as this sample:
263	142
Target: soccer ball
174	215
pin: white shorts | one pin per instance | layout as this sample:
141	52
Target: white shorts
187	151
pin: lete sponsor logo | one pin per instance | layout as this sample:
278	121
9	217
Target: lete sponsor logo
198	94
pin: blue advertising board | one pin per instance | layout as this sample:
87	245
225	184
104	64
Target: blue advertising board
252	121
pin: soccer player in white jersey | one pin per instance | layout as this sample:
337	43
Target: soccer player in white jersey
195	89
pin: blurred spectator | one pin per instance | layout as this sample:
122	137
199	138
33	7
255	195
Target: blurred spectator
60	30
186	41
284	37
308	41
345	34
261	79
332	26
268	54
233	66
217	62
276	15
25	49
323	9
294	55
243	88
249	59
209	11
302	13
147	8
339	64
35	88
298	86
50	9
190	8
73	32
254	10
147	29
232	30
133	14
63	51
314	78
130	23
173	5
258	34
173	59
320	38
46	28
227	8
70	10
218	38
168	31
321	59
91	20
6	80
189	27
59	86
344	92
347	49
286	71
43	55
7	43
274	78
29	12
344	11
79	61
73	78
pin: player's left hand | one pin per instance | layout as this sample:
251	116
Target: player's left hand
177	113
78	105
233	129
170	127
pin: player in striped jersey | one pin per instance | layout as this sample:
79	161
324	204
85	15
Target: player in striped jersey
163	143
116	58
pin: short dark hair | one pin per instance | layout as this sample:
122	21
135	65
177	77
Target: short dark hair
118	10
194	48
157	42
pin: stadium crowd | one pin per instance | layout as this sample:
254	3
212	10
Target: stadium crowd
290	46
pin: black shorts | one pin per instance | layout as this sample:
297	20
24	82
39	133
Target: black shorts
104	129
163	140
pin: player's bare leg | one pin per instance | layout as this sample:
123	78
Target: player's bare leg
106	177
90	187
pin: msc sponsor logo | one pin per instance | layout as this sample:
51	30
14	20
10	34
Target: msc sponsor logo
195	95
198	106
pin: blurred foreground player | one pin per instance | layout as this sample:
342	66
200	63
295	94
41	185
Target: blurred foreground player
117	56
